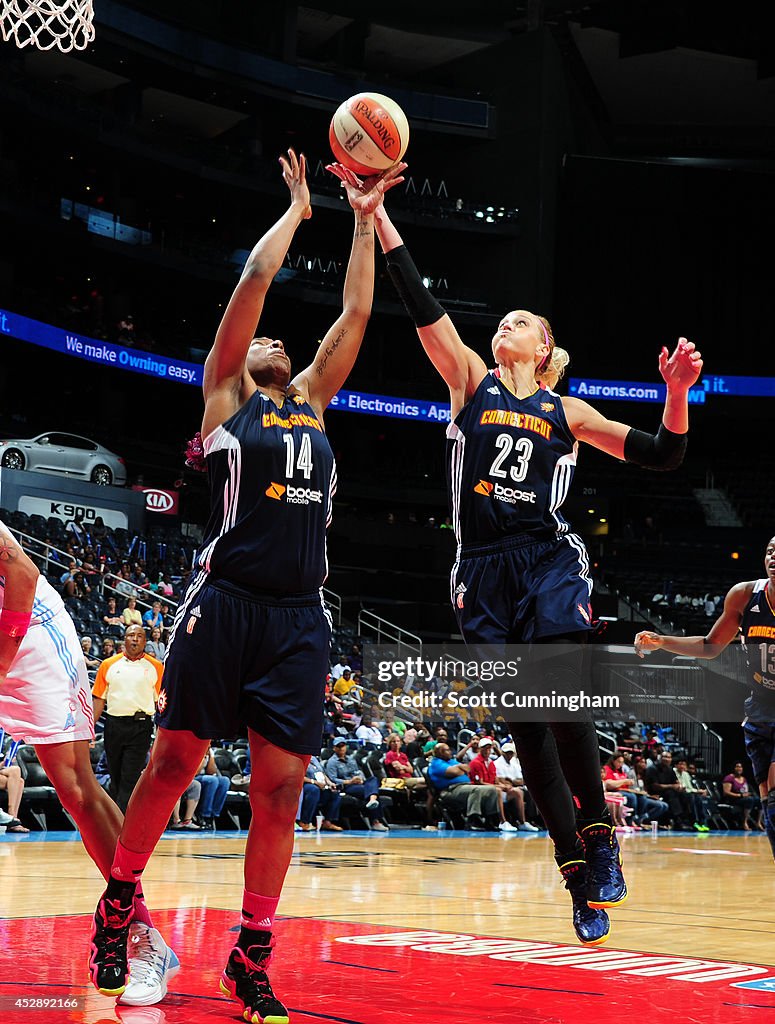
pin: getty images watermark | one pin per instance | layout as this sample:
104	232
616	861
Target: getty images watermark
445	692
553	682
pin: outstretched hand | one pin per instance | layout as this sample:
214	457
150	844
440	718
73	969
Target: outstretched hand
681	369
365	195
295	177
646	642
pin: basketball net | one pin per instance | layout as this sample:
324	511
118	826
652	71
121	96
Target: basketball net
45	24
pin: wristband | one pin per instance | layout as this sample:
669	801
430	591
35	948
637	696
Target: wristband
14	624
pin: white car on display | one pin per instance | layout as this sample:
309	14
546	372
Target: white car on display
66	455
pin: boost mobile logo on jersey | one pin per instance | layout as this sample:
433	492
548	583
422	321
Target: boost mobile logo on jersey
511	495
294	495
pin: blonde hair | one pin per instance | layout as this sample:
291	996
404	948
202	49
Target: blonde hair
551	370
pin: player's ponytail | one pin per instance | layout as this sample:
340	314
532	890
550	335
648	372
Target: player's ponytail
552	368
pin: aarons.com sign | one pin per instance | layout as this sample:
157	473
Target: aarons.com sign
158	499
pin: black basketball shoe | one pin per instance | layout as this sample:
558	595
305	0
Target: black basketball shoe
245	979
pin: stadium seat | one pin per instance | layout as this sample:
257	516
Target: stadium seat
39	795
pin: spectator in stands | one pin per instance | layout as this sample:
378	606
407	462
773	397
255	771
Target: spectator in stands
125	331
344	683
108	647
138	578
356	658
648	809
129	684
391	724
342	769
12	783
481	772
415	744
89	656
131	616
615	803
190	799
368	732
155	645
697	797
75	527
319	796
123	583
448	775
99	530
167	619
340	666
111	616
153	618
397	764
508	778
469	750
738	793
440	735
215	789
661	782
73	582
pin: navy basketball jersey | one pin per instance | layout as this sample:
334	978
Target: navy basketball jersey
758	627
272	481
510	462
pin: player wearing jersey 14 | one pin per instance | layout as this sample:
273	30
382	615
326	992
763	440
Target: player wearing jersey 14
45	700
749	610
250	643
521	574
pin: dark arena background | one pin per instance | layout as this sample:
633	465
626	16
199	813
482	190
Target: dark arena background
609	165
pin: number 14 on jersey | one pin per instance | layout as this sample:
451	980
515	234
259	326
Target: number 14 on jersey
304	460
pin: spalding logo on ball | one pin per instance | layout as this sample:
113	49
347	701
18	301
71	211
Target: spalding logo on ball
369	133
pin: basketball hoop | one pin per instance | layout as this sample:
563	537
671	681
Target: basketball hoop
68	25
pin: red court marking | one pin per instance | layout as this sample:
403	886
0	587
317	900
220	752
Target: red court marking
324	979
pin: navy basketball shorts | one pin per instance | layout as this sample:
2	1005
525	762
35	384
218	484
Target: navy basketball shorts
522	590
241	659
760	747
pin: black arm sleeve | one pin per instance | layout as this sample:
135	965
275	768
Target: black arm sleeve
421	306
661	451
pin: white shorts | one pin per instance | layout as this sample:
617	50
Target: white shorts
46	697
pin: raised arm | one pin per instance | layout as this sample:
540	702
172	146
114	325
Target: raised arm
225	365
460	367
20	576
661	451
722	632
339	349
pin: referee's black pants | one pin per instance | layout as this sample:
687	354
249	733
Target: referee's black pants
127	742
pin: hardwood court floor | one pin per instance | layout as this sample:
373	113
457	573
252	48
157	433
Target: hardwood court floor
447	899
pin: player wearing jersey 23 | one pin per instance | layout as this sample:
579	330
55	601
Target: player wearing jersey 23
749	610
250	643
521	575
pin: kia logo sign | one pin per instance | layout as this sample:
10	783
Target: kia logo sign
159	500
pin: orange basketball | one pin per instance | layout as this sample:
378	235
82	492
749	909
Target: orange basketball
369	133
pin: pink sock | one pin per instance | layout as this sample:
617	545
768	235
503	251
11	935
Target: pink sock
128	866
141	908
258	911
